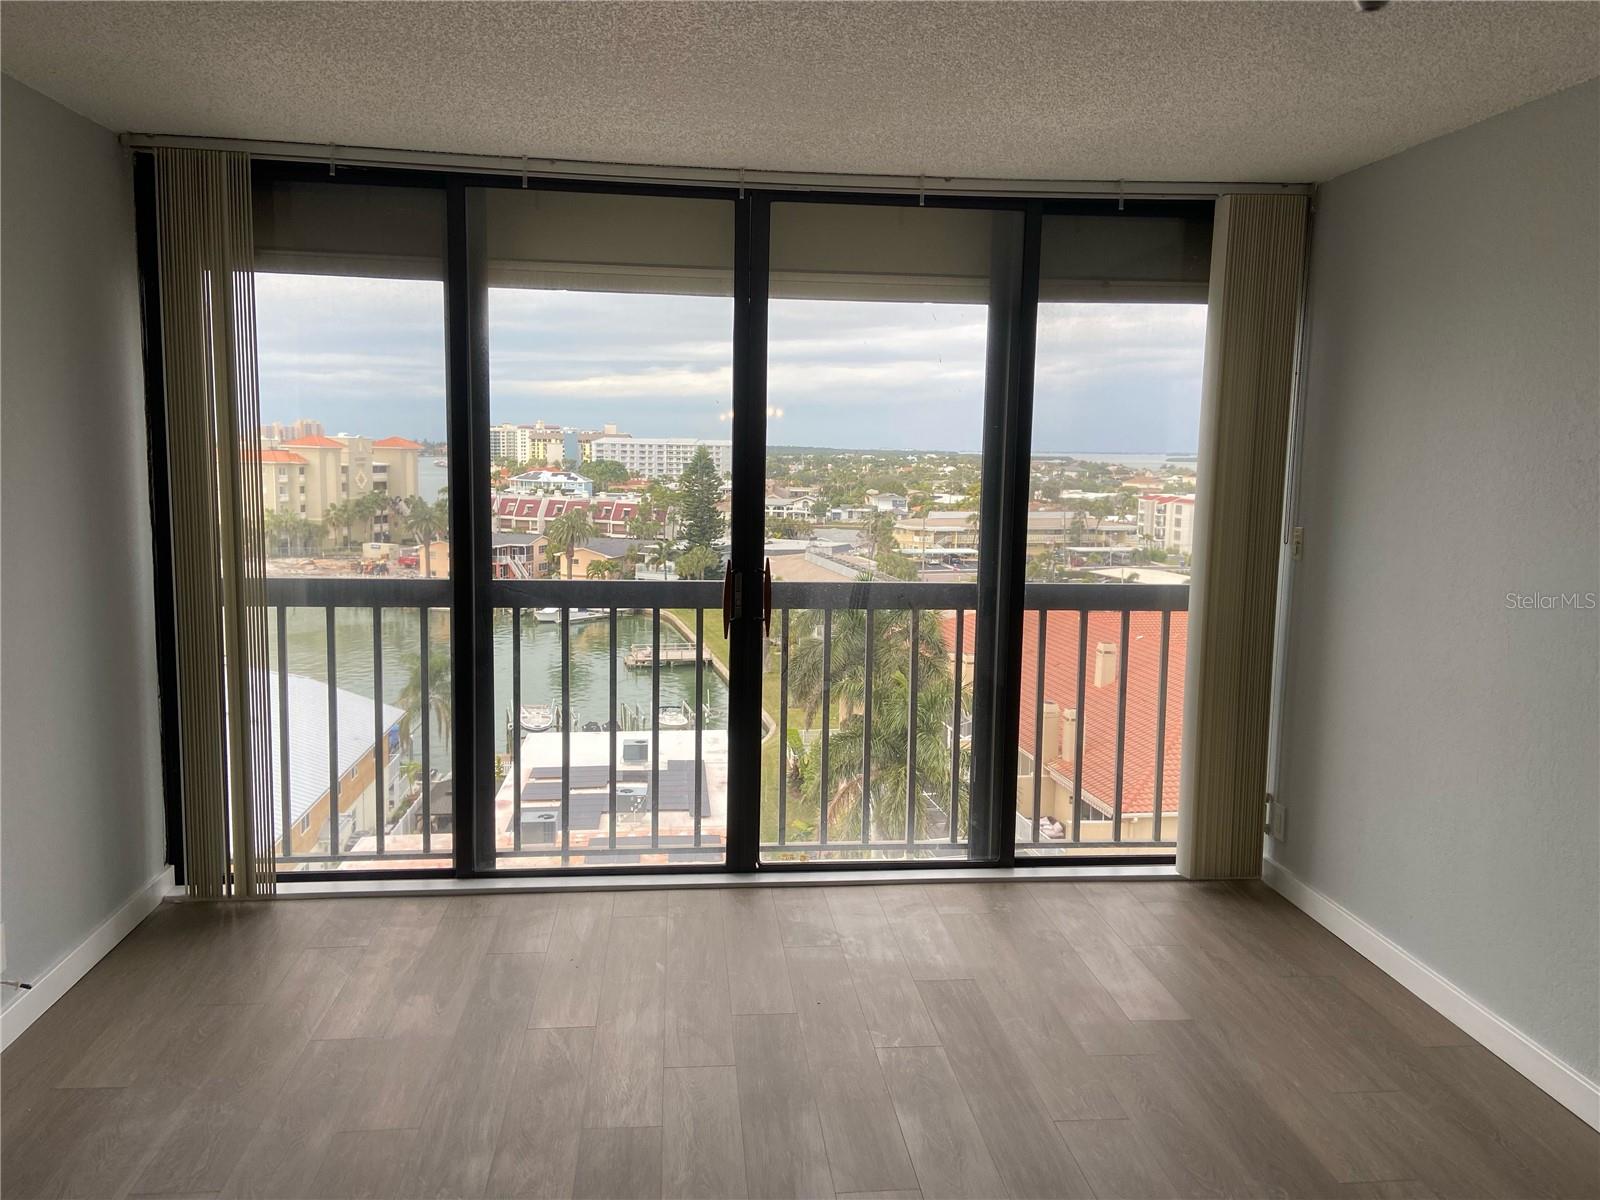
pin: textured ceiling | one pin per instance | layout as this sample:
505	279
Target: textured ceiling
1277	91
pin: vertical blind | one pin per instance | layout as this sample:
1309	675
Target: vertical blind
1258	258
213	424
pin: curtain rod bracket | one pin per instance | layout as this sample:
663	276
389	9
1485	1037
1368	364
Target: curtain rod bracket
922	191
332	159
1121	198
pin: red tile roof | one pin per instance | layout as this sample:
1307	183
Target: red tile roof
281	456
396	443
1100	702
316	441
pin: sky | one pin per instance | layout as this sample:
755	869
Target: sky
367	356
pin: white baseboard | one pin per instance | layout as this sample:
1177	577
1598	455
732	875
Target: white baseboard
30	1005
1569	1087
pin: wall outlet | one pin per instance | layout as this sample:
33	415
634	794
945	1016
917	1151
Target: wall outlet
1277	821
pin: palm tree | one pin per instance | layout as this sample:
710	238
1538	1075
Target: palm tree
437	706
604	568
893	775
424	521
338	518
696	561
567	532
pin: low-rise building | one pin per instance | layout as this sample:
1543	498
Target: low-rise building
542	481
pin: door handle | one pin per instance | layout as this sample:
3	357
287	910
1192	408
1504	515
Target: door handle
766	598
727	600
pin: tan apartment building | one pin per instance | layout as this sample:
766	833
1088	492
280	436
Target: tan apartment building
308	475
1167	522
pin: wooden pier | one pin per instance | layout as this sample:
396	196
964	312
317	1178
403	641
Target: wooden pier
641	655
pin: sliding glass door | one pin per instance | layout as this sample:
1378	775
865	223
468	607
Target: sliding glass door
609	338
877	459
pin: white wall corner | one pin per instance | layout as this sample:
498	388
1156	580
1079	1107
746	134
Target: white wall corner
30	1005
1569	1087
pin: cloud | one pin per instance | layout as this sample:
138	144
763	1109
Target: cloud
368	356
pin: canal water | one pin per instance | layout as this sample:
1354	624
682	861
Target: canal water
541	664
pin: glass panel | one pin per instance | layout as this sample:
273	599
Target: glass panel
394	807
877	334
351	341
1116	426
610	356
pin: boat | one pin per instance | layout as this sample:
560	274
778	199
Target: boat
575	616
441	462
538	718
674	716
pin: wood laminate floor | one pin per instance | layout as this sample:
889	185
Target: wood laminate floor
1033	1039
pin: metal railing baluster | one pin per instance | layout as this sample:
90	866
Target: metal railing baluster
1038	723
283	728
333	735
1077	725
913	792
866	729
955	729
655	728
1122	727
1161	722
566	735
827	703
380	741
699	712
783	727
425	718
611	726
516	728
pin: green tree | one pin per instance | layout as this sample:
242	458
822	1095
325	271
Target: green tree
437	705
895	565
605	474
423	522
697	561
699	490
893	774
878	534
567	532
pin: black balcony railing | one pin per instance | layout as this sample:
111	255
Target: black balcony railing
426	812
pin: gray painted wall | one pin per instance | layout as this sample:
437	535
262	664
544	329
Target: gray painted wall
81	827
1438	758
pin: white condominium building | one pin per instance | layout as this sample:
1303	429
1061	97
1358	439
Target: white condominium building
660	458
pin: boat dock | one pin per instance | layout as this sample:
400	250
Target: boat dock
642	655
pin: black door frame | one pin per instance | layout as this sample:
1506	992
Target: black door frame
1008	403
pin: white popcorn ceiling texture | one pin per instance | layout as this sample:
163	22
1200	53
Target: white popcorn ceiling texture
1275	91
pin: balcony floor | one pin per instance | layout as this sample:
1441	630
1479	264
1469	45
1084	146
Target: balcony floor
961	1039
